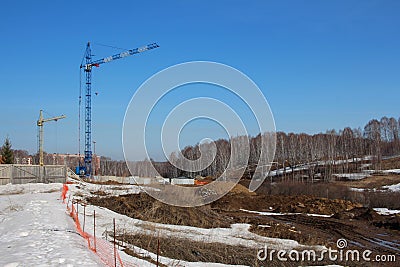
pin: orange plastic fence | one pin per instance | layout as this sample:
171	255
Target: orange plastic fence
102	248
64	192
197	182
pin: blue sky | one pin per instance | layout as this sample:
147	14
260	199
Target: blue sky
320	64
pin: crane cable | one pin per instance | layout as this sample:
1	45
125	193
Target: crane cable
110	46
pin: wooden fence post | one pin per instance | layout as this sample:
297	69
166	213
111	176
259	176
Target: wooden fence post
94	229
115	249
84	217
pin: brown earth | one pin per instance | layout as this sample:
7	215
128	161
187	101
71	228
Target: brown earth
363	228
393	163
374	181
280	203
144	207
189	250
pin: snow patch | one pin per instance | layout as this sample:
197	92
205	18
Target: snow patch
393	171
353	176
386	211
357	189
84	189
393	188
14	189
285	213
264	225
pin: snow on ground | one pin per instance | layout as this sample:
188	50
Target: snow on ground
238	234
110	190
393	187
353	176
358	189
84	189
11	189
286	213
288	170
385	211
176	263
365	165
306	166
393	171
35	229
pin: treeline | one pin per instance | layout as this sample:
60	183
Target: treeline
319	152
6	153
323	154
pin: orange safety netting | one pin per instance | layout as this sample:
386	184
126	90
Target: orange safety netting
64	192
104	249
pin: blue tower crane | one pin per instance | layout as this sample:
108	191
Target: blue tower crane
89	63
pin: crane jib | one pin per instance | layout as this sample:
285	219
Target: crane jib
125	54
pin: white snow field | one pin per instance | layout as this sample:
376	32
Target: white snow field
35	229
238	234
386	211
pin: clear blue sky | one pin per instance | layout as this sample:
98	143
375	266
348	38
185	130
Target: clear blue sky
320	64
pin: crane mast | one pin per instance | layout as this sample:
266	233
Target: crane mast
40	123
89	63
88	111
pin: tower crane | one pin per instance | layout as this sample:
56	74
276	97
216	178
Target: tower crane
40	123
89	63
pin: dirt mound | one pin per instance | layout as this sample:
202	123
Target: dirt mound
292	204
235	189
358	213
142	206
350	221
392	163
240	189
367	214
390	222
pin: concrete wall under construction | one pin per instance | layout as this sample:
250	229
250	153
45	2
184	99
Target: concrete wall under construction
22	174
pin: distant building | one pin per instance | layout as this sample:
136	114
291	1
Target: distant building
179	180
24	160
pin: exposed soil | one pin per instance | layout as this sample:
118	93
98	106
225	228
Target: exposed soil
279	203
363	228
109	182
144	207
189	250
146	258
374	181
392	163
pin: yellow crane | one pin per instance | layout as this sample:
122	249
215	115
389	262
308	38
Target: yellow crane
40	124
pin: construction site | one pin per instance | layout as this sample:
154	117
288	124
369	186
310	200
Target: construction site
200	134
